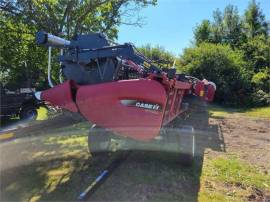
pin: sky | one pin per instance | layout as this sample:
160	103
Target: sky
170	24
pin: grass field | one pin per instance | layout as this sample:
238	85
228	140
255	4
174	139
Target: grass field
64	172
228	178
56	166
261	112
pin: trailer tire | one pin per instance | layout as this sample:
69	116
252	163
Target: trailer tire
98	140
187	146
29	113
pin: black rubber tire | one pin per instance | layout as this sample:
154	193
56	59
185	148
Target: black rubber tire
98	140
28	113
187	146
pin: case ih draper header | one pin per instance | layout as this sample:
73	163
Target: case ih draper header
123	92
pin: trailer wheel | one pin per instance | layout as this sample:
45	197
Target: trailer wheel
28	112
98	140
187	146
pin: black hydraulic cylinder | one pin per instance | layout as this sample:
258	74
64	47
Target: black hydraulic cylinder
44	38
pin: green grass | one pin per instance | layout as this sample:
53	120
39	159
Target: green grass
217	111
260	112
55	173
68	140
227	178
263	112
212	196
232	171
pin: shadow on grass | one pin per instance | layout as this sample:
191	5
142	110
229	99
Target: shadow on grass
42	180
145	176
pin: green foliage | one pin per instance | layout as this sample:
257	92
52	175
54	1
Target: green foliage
20	20
255	23
76	16
202	32
20	58
158	54
220	64
228	27
260	98
262	80
232	26
225	28
257	53
242	65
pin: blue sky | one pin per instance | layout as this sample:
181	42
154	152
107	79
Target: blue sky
171	23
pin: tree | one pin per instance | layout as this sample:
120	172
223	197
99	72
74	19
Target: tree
20	59
248	35
261	80
202	32
255	23
232	27
257	53
217	26
222	65
76	16
20	20
158	54
226	28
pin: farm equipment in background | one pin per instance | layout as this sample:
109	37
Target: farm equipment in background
122	93
20	102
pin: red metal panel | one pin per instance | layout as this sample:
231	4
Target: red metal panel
101	104
199	89
182	85
173	106
61	95
205	90
210	93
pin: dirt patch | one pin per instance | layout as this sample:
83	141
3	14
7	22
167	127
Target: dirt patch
247	137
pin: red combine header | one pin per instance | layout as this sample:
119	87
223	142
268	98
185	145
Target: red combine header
118	89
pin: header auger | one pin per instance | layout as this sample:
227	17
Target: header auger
118	89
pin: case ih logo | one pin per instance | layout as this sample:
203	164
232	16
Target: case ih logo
141	104
148	105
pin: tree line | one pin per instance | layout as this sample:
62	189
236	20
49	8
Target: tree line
23	63
234	52
230	49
